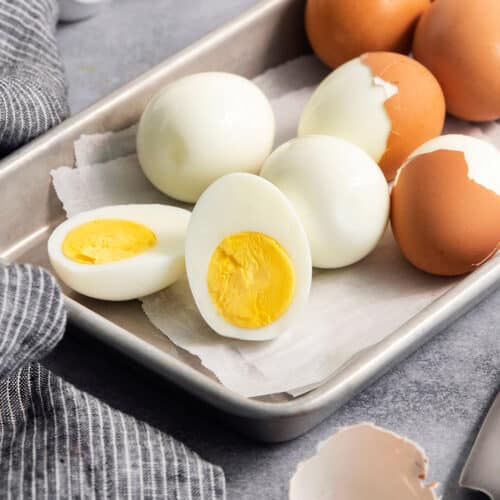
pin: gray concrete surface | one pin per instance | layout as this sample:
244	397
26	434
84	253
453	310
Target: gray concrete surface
437	397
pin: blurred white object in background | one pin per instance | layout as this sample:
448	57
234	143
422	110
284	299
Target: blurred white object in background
75	10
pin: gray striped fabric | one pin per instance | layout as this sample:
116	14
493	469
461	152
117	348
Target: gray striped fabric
33	90
57	442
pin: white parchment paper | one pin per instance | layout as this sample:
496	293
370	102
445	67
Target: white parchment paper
349	309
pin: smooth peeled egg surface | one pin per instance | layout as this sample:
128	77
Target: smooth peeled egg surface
247	258
445	205
386	103
120	252
458	41
200	128
339	30
339	193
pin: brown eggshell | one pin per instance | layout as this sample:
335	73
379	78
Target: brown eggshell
363	462
459	40
417	112
340	30
444	223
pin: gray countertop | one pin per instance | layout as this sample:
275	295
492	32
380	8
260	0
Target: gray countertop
437	397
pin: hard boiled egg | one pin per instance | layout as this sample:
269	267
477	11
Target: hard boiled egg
458	41
445	210
247	258
201	127
338	191
342	29
386	103
120	252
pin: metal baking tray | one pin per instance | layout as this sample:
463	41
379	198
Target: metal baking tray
267	35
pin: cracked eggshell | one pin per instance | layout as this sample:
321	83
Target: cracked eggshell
339	193
386	103
445	205
339	30
364	462
201	127
458	41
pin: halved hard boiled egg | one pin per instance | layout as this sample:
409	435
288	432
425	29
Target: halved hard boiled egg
247	258
386	103
120	252
445	205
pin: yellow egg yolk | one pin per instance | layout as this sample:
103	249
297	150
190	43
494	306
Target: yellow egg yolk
251	279
107	240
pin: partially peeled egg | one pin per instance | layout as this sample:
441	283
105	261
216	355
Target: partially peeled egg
445	205
385	103
247	258
120	252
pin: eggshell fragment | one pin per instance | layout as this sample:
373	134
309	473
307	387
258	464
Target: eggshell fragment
386	103
363	462
445	205
339	30
458	41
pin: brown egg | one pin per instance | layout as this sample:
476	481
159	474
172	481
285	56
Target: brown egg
417	111
386	103
459	40
445	205
339	30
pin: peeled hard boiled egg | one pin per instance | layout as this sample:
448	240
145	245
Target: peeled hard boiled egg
458	41
339	193
339	30
120	252
200	128
445	211
386	103
247	258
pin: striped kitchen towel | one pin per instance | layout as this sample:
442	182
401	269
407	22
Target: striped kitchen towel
33	89
57	442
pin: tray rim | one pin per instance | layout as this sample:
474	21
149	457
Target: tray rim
332	393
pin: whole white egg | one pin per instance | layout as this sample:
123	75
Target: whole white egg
202	127
120	252
247	258
339	193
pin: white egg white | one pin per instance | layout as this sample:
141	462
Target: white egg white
339	193
133	277
201	127
236	203
349	103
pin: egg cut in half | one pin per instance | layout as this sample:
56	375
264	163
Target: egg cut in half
339	193
120	252
386	103
247	258
445	205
